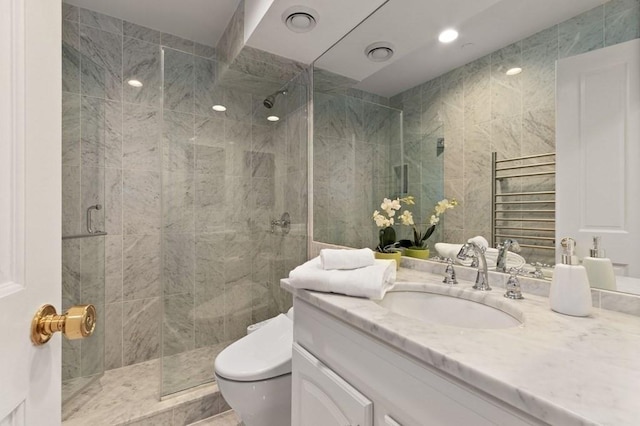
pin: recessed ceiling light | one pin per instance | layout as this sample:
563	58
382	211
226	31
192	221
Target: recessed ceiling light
219	108
447	36
379	52
273	118
134	83
514	71
300	19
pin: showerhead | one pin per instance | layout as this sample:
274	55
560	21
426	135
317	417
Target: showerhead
270	100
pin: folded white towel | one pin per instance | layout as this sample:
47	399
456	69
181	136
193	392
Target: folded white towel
346	259
371	281
491	255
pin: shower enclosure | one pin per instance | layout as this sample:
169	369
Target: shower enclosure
186	257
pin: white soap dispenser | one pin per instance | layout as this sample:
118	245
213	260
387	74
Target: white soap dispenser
599	268
570	293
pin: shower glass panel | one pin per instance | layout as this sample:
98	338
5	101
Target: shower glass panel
84	160
225	176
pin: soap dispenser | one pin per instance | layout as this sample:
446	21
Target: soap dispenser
570	293
599	268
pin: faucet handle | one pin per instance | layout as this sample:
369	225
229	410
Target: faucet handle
513	285
449	273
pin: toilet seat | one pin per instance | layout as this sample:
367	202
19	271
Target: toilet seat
263	354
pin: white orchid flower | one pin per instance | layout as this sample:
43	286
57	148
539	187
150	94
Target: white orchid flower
386	205
406	218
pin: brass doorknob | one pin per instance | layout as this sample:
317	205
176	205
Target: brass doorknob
78	322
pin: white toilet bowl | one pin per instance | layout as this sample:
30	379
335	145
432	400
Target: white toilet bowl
254	374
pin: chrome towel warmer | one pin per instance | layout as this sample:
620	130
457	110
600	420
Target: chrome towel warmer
537	225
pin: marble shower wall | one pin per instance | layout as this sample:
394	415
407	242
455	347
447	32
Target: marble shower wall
188	192
483	110
354	133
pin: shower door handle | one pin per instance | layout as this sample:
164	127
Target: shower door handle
77	323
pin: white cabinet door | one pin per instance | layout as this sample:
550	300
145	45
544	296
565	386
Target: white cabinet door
322	398
30	207
598	152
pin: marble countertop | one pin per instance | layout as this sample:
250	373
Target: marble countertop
560	369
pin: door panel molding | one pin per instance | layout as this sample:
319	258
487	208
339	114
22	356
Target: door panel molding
12	136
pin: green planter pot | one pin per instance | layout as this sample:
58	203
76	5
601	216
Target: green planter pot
417	253
388	256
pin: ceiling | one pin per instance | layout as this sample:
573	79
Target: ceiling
334	19
412	26
203	21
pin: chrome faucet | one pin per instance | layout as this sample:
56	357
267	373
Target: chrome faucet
450	273
503	252
513	285
473	250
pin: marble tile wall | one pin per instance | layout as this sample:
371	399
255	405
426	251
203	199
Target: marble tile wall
481	110
189	193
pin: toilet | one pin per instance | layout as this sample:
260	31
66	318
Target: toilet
254	373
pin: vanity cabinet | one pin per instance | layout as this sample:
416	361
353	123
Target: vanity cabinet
339	368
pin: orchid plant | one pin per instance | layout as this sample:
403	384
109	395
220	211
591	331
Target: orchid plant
386	219
420	238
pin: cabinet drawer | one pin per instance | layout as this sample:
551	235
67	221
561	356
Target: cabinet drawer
321	397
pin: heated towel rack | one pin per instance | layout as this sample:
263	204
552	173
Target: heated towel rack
523	205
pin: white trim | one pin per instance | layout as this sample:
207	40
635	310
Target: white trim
310	120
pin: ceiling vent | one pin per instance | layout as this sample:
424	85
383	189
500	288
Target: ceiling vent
300	19
379	52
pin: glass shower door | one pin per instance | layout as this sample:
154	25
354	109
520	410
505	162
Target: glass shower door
225	176
83	236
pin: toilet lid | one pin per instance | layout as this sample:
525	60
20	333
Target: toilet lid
263	354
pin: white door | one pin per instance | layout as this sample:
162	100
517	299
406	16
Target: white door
598	152
322	398
30	206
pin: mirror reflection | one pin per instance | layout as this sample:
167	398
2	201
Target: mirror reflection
398	112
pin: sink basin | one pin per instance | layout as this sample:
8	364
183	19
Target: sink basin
441	309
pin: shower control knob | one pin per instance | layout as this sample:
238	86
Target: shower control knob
77	323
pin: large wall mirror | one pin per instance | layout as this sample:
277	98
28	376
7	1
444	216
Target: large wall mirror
397	112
